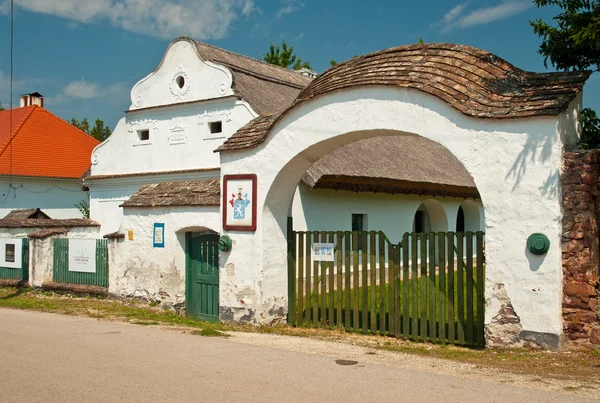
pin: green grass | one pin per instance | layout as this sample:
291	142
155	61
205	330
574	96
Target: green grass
316	299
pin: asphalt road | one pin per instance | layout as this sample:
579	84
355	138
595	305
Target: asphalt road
52	358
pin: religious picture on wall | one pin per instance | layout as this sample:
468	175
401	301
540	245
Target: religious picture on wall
239	202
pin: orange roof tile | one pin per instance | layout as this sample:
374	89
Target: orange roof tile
43	145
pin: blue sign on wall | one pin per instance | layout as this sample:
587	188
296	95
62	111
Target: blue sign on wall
159	235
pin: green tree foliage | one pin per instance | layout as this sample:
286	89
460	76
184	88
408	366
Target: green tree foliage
84	207
590	129
574	44
2	107
284	56
333	63
99	131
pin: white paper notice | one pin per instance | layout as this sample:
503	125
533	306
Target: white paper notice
82	255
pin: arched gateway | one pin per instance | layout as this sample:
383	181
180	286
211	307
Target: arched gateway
507	127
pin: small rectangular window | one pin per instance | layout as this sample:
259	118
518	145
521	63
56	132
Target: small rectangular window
216	127
9	252
359	223
144	135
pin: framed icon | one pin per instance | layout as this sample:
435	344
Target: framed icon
239	202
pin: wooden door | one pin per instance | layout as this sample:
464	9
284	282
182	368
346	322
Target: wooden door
202	276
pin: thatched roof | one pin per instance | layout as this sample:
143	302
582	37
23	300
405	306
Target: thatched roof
474	82
204	192
394	164
266	87
22	214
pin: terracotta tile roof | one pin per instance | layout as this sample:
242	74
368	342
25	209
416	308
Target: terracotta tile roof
43	145
475	82
394	164
266	87
205	192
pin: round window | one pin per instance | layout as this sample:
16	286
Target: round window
180	81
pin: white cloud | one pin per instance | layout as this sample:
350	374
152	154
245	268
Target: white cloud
456	18
289	6
85	90
81	89
205	19
454	13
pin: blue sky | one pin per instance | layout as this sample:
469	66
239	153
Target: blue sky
85	55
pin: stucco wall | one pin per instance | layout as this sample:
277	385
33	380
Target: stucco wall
515	165
138	269
330	210
57	198
178	122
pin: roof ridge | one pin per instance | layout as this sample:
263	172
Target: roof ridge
249	58
17	128
262	76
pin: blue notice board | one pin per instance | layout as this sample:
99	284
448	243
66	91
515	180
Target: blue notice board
158	237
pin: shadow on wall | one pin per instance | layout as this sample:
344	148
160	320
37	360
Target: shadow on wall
539	147
535	262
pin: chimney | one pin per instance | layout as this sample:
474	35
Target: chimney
307	72
35	98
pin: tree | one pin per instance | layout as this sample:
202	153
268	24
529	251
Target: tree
99	131
574	44
2	107
284	56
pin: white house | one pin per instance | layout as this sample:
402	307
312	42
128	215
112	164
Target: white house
415	138
42	158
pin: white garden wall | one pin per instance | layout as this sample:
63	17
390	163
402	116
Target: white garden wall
515	165
138	269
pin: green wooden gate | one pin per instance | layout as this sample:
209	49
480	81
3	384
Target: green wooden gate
427	287
21	273
202	276
60	265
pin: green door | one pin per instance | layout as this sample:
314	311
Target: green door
202	276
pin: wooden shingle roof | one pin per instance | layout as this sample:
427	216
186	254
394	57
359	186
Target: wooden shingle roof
474	82
205	192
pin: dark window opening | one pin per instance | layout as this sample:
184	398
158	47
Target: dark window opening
9	252
216	127
419	224
460	220
180	81
358	224
144	135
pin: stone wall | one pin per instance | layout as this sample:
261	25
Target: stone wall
580	247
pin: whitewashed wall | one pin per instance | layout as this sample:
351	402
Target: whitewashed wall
107	195
515	165
178	121
331	210
138	269
57	197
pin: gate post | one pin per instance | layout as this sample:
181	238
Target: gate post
291	248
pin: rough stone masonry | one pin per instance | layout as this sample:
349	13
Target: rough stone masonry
580	248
